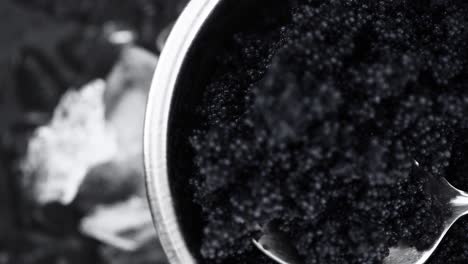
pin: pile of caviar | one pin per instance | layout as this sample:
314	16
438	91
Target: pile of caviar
313	120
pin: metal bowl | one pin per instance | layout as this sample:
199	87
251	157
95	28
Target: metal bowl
184	69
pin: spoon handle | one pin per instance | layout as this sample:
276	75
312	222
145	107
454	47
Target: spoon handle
459	205
458	202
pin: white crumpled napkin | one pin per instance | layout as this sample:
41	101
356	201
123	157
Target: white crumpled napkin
60	153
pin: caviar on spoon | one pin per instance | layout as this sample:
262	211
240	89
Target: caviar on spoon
274	244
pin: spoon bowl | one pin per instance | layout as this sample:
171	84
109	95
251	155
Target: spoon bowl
276	246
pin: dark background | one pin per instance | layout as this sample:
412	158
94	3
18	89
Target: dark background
46	47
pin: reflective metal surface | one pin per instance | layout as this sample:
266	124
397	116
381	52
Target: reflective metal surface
185	67
156	128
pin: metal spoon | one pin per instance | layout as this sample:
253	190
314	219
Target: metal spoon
276	245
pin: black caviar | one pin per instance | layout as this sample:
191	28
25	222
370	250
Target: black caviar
313	120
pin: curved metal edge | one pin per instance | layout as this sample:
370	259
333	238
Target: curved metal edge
178	44
268	253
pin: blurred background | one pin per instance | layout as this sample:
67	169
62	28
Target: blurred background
74	78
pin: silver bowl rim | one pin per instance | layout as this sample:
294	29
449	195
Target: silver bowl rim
158	107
